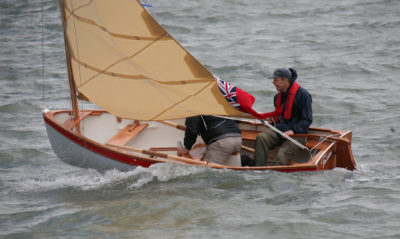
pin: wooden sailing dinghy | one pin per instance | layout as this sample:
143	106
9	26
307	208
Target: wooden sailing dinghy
122	60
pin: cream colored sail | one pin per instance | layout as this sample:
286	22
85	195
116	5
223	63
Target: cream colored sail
125	62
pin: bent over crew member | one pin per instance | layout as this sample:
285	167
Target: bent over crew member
222	137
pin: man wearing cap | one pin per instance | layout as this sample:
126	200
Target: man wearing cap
292	115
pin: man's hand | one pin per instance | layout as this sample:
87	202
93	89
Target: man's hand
289	133
182	151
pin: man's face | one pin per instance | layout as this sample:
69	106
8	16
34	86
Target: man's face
281	84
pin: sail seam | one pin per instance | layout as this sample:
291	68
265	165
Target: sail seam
120	60
181	101
135	77
123	36
83	5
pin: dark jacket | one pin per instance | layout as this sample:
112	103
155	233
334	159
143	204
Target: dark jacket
210	128
301	113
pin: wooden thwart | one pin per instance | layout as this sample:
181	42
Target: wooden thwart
127	133
249	135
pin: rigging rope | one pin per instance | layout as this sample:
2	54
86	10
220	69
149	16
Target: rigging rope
43	102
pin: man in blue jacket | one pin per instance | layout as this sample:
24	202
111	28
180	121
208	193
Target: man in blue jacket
293	115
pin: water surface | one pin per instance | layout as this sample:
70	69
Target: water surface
347	56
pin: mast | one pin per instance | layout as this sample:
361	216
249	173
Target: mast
72	87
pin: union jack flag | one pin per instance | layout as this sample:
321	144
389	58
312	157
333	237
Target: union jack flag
240	99
229	92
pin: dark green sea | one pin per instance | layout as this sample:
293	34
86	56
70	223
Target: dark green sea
347	55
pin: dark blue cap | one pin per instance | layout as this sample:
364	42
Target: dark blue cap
282	73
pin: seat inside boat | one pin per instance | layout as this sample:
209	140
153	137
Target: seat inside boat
127	133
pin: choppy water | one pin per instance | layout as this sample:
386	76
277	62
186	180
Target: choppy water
347	55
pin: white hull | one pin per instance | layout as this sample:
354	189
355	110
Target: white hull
74	154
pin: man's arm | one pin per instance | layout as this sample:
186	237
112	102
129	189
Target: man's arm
301	121
301	126
192	130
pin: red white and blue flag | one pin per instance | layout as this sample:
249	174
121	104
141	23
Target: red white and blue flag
229	92
240	99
